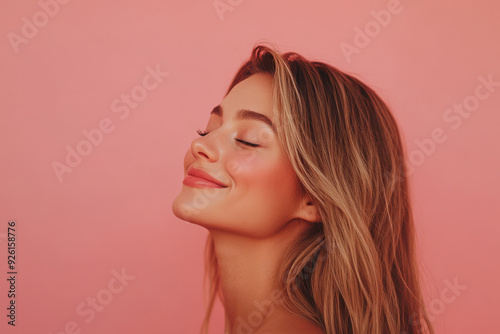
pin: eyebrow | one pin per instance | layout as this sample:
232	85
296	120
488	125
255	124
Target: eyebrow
245	114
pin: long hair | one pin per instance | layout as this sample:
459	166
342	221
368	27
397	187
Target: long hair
356	271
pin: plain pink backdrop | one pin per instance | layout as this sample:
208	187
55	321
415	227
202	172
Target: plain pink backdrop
113	211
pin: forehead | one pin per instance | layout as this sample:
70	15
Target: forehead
254	93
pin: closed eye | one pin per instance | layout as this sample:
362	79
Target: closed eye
201	133
247	143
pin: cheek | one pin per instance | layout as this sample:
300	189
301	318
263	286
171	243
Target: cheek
264	197
265	178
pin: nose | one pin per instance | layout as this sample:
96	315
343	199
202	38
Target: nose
205	147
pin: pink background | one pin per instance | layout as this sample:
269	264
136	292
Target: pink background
113	210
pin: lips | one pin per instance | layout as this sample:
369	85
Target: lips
198	177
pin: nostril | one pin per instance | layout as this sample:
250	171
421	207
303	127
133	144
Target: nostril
200	148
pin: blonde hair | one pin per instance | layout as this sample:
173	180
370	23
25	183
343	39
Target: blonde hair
356	271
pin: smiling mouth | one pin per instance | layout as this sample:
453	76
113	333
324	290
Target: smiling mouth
199	182
197	177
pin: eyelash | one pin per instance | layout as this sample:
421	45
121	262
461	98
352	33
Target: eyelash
201	133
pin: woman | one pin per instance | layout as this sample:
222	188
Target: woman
299	177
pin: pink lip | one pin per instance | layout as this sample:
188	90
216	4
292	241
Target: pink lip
199	178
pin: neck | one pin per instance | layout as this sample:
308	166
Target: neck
248	271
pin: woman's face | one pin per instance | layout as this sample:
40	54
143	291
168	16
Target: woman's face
260	195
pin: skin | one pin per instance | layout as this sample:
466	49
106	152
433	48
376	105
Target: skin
256	217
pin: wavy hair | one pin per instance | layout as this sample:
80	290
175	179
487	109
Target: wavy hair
356	271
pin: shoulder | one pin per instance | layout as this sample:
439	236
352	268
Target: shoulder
311	330
296	327
319	331
283	322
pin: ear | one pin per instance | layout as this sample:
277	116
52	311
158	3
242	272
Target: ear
308	211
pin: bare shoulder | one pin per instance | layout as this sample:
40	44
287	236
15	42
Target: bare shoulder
290	324
311	330
315	330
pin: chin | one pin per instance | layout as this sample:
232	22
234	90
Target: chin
183	211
